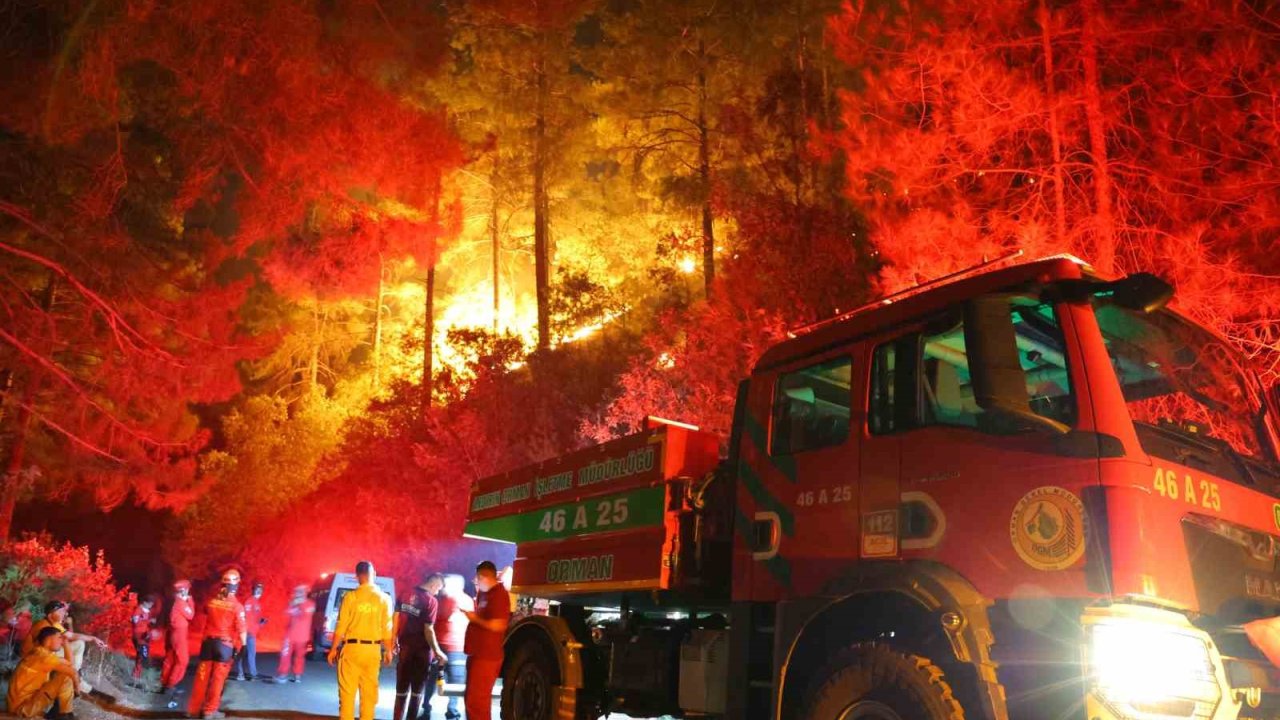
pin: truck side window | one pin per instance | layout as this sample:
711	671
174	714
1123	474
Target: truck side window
811	407
943	393
946	393
882	413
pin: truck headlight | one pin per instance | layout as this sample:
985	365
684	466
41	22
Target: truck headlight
1151	671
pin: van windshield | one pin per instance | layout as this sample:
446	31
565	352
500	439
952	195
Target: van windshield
1180	379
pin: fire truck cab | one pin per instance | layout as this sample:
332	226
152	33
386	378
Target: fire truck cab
1028	492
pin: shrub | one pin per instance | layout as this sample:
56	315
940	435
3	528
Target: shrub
36	570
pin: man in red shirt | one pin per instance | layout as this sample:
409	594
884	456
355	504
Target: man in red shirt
224	635
141	623
451	631
485	632
247	663
177	653
297	632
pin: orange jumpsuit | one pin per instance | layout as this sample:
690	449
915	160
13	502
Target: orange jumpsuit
224	633
484	652
364	623
296	635
179	652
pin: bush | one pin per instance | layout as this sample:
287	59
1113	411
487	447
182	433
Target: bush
37	570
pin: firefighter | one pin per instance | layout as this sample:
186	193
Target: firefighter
451	631
44	680
488	625
247	662
416	644
140	624
363	632
297	632
178	653
55	614
224	635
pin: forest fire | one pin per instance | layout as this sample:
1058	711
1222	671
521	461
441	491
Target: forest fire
266	265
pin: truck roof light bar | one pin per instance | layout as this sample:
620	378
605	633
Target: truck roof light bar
903	294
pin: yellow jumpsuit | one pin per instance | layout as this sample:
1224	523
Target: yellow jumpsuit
34	688
364	623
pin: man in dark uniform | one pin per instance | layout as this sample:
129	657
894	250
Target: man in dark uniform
417	645
141	621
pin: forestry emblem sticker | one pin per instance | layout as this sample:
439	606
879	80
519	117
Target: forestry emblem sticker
1047	528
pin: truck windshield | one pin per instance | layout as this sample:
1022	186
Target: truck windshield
1179	379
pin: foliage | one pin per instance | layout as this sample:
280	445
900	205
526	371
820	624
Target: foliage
272	456
977	129
37	570
619	207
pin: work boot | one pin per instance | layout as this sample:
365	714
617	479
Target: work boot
215	715
295	679
238	677
280	680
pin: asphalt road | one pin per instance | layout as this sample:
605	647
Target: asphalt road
316	695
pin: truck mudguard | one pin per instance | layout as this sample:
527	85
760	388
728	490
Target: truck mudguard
925	590
556	635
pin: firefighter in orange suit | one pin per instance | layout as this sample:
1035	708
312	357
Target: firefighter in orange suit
362	639
177	654
224	635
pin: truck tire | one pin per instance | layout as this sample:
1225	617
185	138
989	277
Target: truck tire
531	689
876	682
530	684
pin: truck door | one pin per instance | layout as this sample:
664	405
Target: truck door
881	452
995	493
799	480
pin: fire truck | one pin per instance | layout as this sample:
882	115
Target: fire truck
1024	491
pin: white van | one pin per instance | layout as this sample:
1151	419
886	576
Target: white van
328	596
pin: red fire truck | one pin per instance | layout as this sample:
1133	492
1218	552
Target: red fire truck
1024	492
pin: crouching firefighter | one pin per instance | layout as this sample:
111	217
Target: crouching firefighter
224	635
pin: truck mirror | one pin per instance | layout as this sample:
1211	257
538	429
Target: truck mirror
1141	291
995	369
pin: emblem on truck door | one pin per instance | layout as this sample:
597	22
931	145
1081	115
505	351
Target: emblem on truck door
1047	528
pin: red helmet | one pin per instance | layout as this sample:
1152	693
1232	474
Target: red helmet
231	577
182	585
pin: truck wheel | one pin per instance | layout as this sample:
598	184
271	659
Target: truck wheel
529	684
876	682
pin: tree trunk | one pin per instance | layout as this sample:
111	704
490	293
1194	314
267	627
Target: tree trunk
1055	137
11	482
428	337
704	177
493	234
377	325
1104	243
313	367
13	477
541	239
429	315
